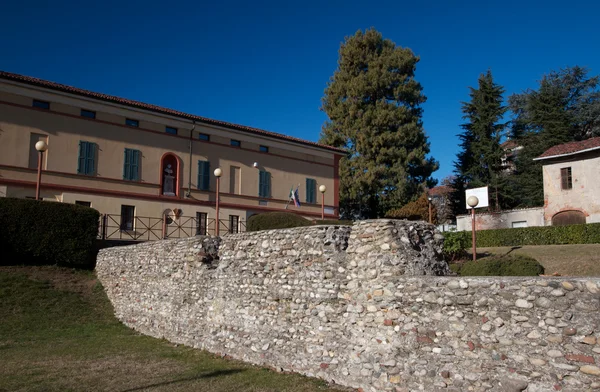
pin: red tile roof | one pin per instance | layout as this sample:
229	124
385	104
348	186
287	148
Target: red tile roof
571	148
441	190
158	109
509	144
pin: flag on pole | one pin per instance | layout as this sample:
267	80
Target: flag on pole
294	196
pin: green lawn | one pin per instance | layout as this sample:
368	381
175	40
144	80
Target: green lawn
566	260
58	333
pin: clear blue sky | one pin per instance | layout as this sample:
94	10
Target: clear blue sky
266	63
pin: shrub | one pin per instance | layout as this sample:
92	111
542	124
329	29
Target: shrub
455	245
39	232
275	220
415	210
502	265
333	222
543	235
284	220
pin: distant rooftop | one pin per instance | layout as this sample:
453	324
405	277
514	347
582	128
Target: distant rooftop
571	148
140	105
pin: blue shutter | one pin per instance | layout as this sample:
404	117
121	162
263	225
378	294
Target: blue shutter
261	183
90	163
81	157
268	184
135	165
126	163
311	187
206	183
204	175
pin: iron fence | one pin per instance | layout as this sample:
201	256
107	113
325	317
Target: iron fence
143	228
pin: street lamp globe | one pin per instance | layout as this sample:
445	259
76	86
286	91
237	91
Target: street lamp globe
322	188
218	172
41	146
472	201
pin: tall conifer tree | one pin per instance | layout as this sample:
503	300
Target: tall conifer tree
373	103
479	162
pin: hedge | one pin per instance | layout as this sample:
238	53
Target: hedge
284	220
502	265
543	235
47	233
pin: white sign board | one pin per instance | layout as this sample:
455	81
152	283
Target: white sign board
481	194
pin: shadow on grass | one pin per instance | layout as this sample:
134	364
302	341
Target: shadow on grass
216	373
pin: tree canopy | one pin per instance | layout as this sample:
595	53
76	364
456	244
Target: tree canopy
479	162
373	103
564	108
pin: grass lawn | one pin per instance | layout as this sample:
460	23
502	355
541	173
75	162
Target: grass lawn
566	260
58	333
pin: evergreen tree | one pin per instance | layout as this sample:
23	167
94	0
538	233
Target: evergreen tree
566	107
479	162
373	103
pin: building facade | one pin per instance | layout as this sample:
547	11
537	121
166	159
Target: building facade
132	160
571	186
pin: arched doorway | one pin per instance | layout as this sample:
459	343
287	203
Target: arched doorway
169	175
571	217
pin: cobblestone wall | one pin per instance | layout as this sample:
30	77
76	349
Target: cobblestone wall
352	305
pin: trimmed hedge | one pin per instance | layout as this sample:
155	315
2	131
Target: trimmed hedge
503	265
543	235
38	232
285	220
275	220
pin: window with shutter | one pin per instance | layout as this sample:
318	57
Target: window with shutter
86	160
311	190
131	165
264	184
204	175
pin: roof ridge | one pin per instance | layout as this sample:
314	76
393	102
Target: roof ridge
571	147
147	106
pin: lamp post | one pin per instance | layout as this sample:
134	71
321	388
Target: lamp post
218	172
429	199
472	201
41	146
322	189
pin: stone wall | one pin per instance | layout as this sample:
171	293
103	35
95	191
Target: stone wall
524	217
352	305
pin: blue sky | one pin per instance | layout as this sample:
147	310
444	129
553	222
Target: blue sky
266	63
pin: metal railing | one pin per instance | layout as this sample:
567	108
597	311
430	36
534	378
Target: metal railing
143	228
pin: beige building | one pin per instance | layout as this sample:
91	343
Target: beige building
571	182
135	161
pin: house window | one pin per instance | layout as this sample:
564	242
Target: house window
204	175
234	222
127	217
311	190
204	137
41	104
201	223
88	114
86	161
566	178
83	203
131	164
132	123
236	143
171	130
264	184
264	149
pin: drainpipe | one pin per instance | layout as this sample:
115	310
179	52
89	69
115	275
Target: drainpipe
189	190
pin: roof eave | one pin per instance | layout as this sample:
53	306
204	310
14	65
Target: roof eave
567	154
